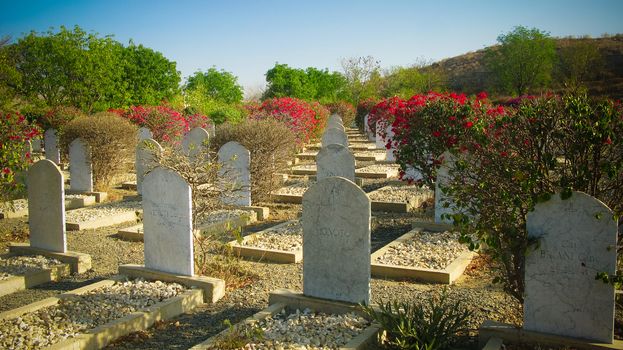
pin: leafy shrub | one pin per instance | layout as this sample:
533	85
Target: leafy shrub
14	132
431	326
167	124
112	140
227	113
270	142
345	110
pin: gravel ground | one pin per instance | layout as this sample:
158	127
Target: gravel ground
100	211
378	168
398	194
287	237
431	250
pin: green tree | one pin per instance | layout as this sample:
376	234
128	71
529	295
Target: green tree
523	60
149	77
408	81
306	84
217	85
9	77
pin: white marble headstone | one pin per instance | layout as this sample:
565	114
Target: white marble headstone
336	241
444	204
390	152
211	128
167	223
367	129
36	144
380	142
52	151
80	168
335	160
236	162
577	239
334	135
195	141
144	133
46	206
146	152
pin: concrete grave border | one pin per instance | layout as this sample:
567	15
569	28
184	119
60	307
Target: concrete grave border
272	255
289	300
364	158
399	207
70	203
105	221
358	174
135	232
78	262
99	196
490	330
34	278
100	336
445	276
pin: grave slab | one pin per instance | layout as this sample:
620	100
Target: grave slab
246	248
32	278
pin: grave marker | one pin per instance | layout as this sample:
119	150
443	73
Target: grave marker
577	240
167	223
335	160
146	152
144	133
80	168
194	142
236	162
380	143
46	206
334	135
336	241
50	141
389	156
442	180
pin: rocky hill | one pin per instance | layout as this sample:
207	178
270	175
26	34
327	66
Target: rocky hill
468	73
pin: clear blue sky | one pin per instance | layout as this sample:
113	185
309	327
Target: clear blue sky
248	37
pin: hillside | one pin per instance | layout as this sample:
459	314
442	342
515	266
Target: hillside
467	73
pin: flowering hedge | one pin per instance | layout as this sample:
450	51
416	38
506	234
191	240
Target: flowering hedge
167	124
363	108
508	158
303	118
14	132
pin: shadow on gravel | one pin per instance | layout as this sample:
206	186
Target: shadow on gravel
185	330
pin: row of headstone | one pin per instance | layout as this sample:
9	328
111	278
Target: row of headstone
50	141
80	166
366	128
334	157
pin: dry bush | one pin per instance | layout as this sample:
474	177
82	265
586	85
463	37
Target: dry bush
271	144
112	140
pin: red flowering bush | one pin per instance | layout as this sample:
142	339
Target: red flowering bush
303	118
14	132
58	117
167	124
344	110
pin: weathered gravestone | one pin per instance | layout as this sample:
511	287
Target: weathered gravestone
144	133
577	239
50	141
167	223
443	203
336	241
379	141
146	152
390	152
367	129
335	121
334	135
335	160
80	168
46	207
36	144
194	142
211	128
236	161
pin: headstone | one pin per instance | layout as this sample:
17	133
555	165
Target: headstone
367	129
236	162
333	135
146	152
336	241
211	128
36	144
380	142
144	133
167	223
80	168
195	141
335	160
336	119
389	152
577	239
50	141
444	204
46	206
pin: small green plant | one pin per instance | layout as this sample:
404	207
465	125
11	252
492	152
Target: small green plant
237	337
428	326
